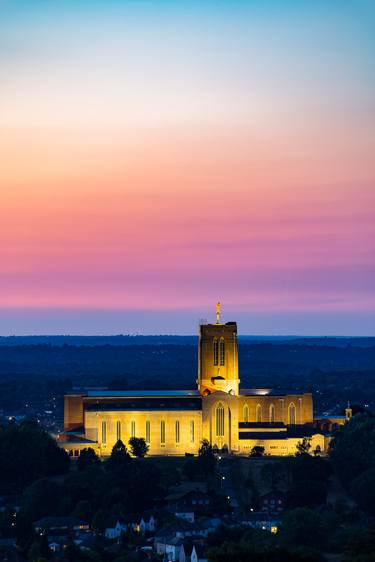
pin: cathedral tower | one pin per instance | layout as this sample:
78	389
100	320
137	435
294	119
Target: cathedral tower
218	357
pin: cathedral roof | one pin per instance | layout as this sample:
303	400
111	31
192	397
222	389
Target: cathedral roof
137	393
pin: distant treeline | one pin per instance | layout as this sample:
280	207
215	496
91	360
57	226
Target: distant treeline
335	374
131	340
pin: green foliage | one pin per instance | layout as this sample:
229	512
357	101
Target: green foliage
363	490
83	510
42	498
353	448
248	552
360	545
119	458
257	451
27	452
272	474
98	522
206	459
138	447
302	527
304	446
307	493
87	458
309	480
25	533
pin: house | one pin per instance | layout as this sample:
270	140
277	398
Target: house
272	502
169	548
193	500
115	528
147	523
192	552
198	554
60	524
54	546
185	515
261	520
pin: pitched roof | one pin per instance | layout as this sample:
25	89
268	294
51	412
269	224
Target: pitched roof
58	522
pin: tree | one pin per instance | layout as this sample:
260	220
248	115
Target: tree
307	493
28	445
272	473
363	490
119	457
98	522
206	458
304	446
138	447
42	498
352	450
302	527
257	451
83	510
25	532
87	458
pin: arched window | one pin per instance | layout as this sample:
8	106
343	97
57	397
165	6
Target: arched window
246	413
258	415
148	431
192	431
118	430
222	351
216	352
177	431
220	421
292	414
272	413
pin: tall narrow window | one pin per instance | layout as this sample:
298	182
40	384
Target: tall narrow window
177	431
246	413
222	351
272	413
258	415
132	429
104	432
220	421
162	432
292	414
118	430
192	431
148	432
216	352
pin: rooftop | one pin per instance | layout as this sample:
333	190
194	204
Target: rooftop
267	392
136	393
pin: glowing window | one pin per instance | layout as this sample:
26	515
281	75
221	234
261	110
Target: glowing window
148	432
216	352
258	415
220	421
192	431
292	414
177	431
118	430
222	351
246	413
272	413
162	432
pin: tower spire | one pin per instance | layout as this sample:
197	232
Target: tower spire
218	310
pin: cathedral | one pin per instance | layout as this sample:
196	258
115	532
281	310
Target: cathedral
174	422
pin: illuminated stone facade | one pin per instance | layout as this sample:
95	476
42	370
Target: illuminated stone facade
175	422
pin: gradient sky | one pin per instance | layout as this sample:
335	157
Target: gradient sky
156	156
